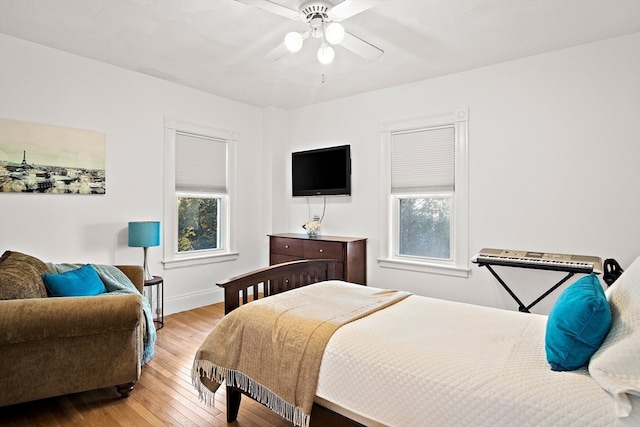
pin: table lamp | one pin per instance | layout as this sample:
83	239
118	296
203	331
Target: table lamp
144	234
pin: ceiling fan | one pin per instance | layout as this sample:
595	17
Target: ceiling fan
323	18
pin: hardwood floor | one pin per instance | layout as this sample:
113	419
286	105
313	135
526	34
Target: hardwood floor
164	395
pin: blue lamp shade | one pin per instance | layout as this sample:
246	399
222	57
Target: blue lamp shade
144	234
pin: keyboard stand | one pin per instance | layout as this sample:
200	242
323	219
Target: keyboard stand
521	306
570	264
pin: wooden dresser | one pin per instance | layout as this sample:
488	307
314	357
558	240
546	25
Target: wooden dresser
350	252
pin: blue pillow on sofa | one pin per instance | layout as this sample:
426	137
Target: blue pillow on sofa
83	281
577	324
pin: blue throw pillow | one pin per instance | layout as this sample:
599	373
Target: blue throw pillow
83	281
577	324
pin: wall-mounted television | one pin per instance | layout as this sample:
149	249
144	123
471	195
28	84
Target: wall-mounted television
321	172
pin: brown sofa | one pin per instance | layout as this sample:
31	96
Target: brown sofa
50	346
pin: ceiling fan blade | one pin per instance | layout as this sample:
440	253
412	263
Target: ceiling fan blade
349	8
272	7
277	53
361	47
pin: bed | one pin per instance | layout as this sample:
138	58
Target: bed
420	361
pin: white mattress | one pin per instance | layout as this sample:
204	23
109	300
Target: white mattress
428	362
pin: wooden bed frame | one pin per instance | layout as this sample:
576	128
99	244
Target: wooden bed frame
276	279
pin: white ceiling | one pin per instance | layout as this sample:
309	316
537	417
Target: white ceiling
217	45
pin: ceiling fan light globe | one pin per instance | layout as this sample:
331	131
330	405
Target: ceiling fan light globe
334	33
325	54
293	41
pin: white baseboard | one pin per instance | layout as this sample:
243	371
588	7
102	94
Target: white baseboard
186	302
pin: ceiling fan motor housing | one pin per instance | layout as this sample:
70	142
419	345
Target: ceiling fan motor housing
315	9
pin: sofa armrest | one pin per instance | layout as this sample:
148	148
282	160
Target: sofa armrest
35	319
135	273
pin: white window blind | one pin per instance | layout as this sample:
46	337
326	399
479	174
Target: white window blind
423	160
201	163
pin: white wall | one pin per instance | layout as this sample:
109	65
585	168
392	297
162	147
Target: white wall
48	86
554	163
554	154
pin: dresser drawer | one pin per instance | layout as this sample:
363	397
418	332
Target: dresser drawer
286	246
318	249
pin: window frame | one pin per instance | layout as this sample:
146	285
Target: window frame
227	228
458	265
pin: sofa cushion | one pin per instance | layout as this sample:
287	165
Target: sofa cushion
21	276
83	281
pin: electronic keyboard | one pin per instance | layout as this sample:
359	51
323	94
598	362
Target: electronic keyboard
540	260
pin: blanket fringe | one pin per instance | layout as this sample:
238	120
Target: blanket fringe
204	368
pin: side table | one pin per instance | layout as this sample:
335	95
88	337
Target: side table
158	282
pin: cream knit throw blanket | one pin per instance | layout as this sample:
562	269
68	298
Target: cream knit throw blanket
272	348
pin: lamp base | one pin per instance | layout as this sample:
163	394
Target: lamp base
147	275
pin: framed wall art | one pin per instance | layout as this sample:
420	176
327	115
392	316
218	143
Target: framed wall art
40	158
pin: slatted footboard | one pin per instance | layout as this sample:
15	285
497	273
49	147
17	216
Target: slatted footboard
275	279
269	281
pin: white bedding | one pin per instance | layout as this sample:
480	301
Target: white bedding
452	364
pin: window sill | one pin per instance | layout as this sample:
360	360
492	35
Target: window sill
200	260
421	267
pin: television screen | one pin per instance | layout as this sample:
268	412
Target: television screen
322	172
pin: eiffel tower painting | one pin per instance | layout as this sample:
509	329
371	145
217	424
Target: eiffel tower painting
61	160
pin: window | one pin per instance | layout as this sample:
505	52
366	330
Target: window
424	226
426	193
198	222
198	195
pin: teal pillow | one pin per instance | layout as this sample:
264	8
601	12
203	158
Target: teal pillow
577	324
82	281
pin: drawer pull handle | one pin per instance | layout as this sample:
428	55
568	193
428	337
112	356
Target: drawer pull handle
321	250
286	246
